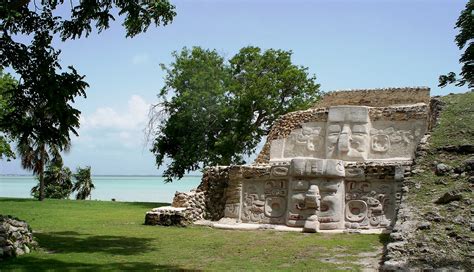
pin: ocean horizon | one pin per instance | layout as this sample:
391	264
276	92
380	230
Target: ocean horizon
129	188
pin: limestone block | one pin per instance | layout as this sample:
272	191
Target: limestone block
311	224
167	216
276	149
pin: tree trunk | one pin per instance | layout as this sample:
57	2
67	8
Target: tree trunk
41	173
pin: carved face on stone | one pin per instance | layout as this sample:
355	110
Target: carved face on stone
348	133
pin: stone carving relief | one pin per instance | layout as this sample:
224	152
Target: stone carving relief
392	141
317	168
333	174
279	171
307	141
264	201
304	202
332	197
348	133
369	204
232	210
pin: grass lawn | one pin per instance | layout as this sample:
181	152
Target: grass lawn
101	235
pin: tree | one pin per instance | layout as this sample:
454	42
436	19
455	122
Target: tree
57	182
43	117
465	24
83	185
7	82
214	112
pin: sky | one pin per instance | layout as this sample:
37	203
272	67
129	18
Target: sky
346	44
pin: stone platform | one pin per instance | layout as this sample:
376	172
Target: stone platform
337	167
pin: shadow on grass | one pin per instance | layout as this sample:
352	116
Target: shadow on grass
74	242
148	205
31	263
8	199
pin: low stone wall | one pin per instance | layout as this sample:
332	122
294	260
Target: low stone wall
16	237
193	202
206	202
213	185
376	97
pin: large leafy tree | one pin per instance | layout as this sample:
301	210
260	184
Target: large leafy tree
464	40
43	117
214	111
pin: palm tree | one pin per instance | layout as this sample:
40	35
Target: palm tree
83	184
35	154
57	181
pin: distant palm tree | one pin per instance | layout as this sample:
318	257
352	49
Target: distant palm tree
35	154
83	185
57	181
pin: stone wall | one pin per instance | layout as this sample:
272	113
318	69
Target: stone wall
404	119
213	185
205	202
16	237
376	97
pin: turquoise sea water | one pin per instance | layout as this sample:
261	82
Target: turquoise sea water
122	188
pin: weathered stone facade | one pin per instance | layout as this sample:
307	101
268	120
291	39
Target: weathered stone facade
336	167
16	237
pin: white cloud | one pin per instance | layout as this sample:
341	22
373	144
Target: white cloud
132	118
107	126
141	58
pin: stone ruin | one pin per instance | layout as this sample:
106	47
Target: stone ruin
16	237
337	166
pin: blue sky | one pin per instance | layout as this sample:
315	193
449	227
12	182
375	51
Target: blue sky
347	44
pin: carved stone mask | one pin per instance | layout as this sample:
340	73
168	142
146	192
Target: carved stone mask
348	133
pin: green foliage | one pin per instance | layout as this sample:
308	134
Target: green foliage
465	24
43	116
83	184
57	181
215	112
110	236
7	83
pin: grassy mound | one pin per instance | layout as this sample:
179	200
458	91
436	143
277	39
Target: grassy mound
440	191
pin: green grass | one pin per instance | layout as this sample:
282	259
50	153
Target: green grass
96	235
456	125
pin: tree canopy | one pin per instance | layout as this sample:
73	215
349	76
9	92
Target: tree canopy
214	112
38	110
465	37
7	83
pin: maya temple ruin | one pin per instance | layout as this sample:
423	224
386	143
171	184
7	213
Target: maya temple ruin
338	166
